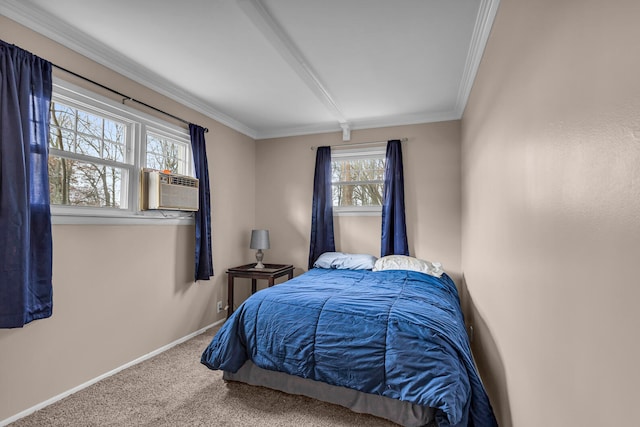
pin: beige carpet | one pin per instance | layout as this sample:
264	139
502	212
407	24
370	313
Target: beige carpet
174	389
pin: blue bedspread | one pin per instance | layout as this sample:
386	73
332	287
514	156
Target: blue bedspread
398	334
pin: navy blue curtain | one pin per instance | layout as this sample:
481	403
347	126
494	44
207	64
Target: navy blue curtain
394	226
204	255
322	208
25	216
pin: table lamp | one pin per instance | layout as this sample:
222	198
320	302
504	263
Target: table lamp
259	241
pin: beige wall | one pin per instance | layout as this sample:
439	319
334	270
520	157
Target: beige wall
284	187
123	291
546	186
551	212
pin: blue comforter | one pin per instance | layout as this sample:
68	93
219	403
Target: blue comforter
398	334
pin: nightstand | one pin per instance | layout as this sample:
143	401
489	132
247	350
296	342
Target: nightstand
270	272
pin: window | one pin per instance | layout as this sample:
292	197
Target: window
97	150
89	161
357	177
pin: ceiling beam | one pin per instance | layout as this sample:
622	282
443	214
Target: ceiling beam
278	38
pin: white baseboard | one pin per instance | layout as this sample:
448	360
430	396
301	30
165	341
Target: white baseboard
62	395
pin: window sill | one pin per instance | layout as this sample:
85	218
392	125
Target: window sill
64	217
357	211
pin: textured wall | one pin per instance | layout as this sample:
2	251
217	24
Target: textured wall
551	202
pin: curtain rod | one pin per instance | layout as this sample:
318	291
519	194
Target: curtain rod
125	97
313	147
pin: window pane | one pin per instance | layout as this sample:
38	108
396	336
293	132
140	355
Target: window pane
63	116
358	194
113	151
357	181
77	183
61	139
89	123
88	146
154	145
114	131
155	161
85	133
166	154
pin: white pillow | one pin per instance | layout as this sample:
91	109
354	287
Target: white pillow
355	262
403	262
327	259
344	261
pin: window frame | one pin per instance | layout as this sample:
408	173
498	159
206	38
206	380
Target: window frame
137	125
374	150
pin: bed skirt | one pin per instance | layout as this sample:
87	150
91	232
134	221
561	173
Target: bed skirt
403	413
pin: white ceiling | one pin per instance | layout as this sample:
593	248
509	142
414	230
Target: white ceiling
270	68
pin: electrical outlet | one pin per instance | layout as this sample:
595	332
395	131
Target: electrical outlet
219	306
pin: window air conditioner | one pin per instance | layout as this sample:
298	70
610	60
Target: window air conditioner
161	190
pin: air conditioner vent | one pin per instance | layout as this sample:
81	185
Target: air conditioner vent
185	181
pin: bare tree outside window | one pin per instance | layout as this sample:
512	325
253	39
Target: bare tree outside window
166	154
357	182
84	151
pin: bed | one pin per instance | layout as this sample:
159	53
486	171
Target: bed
391	343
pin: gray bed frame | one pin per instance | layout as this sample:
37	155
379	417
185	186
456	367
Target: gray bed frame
400	412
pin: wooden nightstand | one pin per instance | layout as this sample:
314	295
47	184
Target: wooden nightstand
270	272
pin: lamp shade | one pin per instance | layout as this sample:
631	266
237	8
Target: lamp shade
259	239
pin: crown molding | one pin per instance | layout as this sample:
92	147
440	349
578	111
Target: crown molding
481	30
360	124
41	22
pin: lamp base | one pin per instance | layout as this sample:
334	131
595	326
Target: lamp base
259	257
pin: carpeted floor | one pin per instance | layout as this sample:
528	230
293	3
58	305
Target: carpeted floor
174	389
